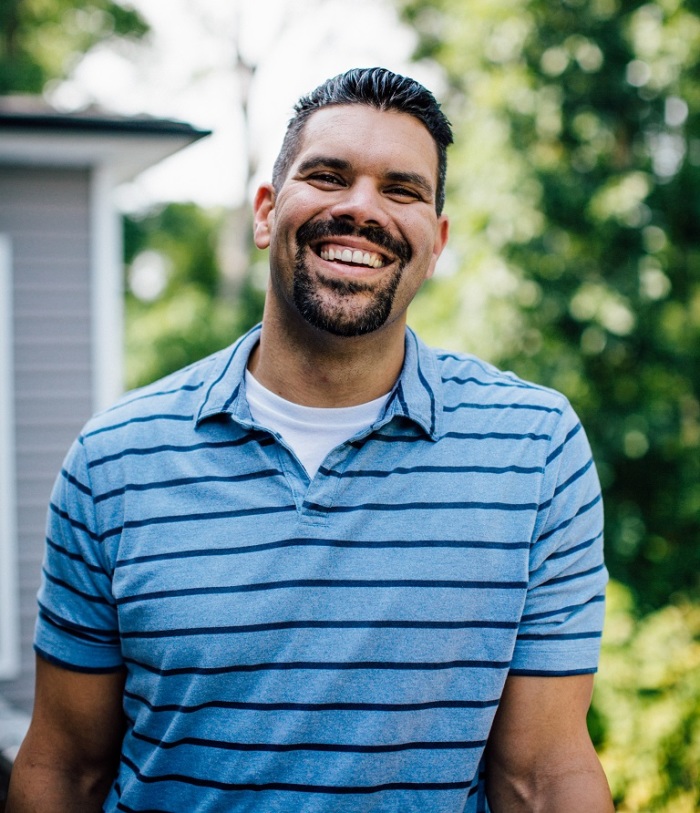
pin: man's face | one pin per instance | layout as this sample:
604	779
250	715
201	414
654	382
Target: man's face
353	230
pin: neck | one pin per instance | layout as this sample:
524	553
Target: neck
315	368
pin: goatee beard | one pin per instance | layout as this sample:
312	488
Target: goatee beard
354	308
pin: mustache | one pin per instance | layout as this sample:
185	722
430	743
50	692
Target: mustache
321	229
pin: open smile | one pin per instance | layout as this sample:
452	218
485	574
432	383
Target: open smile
348	255
343	243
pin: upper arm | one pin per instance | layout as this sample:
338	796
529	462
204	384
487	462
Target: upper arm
539	712
539	747
78	714
70	755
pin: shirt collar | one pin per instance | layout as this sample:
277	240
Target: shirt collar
416	395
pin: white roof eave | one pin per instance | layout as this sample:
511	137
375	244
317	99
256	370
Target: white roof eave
126	154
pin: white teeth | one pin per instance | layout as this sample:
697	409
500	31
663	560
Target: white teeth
357	257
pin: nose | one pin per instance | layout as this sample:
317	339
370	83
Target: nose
362	204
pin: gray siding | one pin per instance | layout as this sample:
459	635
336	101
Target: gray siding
46	214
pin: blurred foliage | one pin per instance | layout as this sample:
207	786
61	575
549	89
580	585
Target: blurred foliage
575	205
42	40
180	314
645	719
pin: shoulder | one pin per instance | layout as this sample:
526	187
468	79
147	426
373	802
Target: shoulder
463	374
170	400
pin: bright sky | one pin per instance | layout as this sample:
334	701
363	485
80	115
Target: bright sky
187	74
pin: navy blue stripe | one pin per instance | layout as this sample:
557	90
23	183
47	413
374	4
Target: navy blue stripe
561	610
574	477
393	396
398	544
435	470
143	419
324	584
229	362
77	631
275	626
231	399
188	481
71	667
532	407
168	447
141	396
569	636
241	512
497	436
419	506
479	383
287	786
320	666
572	433
582	510
76	557
426	385
314	707
562	554
494	373
330	748
80	526
573	576
552	673
402	399
74	482
74	590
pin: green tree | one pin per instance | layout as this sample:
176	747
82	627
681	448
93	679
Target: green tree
42	40
646	717
175	310
575	198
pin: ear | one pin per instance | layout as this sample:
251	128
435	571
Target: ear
263	215
441	234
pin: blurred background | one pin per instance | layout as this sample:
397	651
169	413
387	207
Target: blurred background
574	260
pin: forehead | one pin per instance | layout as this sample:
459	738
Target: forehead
386	140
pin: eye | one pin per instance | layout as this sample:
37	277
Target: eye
325	179
404	193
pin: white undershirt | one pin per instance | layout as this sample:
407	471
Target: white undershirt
311	432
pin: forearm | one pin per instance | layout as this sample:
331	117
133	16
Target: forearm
583	789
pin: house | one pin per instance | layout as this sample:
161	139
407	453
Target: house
60	324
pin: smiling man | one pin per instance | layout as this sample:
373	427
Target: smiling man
328	568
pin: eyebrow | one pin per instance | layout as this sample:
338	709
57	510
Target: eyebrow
315	161
413	178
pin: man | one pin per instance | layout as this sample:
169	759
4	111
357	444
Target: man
328	568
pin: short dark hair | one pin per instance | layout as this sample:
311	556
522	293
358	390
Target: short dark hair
376	87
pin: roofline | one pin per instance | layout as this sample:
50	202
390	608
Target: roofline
75	122
92	137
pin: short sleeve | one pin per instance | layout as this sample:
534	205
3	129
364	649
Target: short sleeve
77	626
561	626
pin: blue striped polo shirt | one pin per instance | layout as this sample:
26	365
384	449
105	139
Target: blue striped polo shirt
339	644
